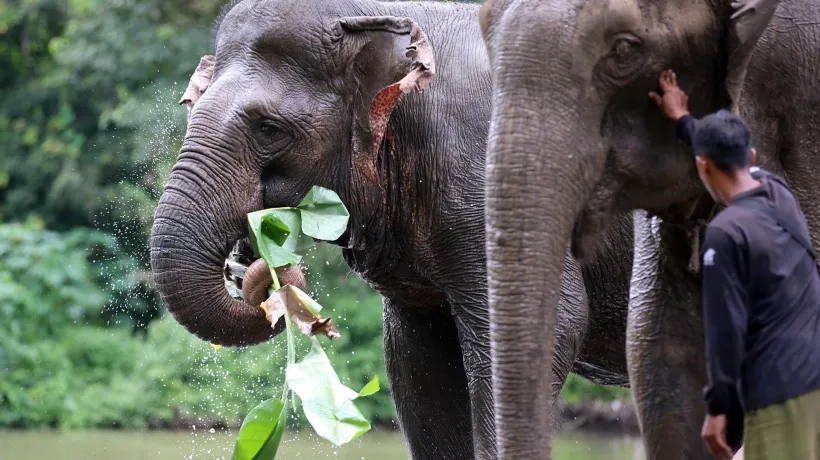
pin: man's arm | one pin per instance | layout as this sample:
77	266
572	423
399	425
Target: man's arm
684	128
725	315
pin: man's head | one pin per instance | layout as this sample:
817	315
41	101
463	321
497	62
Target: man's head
722	145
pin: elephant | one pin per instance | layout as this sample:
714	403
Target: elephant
311	92
572	120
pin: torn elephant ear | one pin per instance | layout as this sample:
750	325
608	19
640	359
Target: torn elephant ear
199	82
302	310
748	20
384	77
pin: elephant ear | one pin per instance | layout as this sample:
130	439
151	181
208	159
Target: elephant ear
199	82
391	57
748	21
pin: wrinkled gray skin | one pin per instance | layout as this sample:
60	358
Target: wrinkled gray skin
572	121
287	106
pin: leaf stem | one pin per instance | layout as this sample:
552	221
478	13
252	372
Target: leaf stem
291	358
275	278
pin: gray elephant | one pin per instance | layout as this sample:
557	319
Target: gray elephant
572	121
311	92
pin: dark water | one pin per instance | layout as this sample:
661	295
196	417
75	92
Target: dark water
201	445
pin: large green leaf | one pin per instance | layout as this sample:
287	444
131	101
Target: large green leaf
324	216
261	432
327	403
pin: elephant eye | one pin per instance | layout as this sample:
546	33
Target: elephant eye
625	59
271	137
625	45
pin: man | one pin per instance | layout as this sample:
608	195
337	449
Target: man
761	293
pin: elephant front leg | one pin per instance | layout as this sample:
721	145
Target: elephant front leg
427	379
472	322
665	348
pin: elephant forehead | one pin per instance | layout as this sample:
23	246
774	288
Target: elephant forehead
597	22
286	27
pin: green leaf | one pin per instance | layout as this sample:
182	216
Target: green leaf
276	234
371	387
293	239
324	216
327	403
261	432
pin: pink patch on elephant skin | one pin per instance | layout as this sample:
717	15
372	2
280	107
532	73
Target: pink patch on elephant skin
421	70
380	109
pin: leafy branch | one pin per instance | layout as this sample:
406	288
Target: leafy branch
277	235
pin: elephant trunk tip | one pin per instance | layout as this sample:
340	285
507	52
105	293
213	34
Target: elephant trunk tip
192	286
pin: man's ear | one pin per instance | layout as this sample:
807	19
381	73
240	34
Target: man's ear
752	156
748	21
702	164
199	82
391	57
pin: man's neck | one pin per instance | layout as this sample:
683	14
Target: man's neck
741	182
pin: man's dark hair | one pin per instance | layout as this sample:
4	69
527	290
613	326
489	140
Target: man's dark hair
724	138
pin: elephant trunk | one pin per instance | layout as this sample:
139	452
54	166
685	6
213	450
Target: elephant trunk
541	169
197	221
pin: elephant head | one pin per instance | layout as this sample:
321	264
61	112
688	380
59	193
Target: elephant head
572	123
298	93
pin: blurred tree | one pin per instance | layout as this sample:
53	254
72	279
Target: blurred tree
88	114
88	117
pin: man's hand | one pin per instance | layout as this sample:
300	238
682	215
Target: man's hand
714	433
674	103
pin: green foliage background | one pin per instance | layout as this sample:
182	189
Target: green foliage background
89	128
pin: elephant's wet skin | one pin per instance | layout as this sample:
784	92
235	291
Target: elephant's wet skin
573	120
311	92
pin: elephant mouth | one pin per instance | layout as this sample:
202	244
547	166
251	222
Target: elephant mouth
236	265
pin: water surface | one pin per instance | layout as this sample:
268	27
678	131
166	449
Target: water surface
201	445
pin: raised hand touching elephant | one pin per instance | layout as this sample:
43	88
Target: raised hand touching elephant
312	92
572	120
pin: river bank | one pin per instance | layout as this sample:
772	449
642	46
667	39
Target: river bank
617	417
304	445
609	417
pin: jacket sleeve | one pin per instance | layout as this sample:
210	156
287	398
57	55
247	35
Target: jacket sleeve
684	128
725	315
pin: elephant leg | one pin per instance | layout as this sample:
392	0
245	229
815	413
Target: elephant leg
428	383
572	323
472	322
665	348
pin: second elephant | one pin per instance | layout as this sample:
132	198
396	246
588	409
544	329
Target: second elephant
572	119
